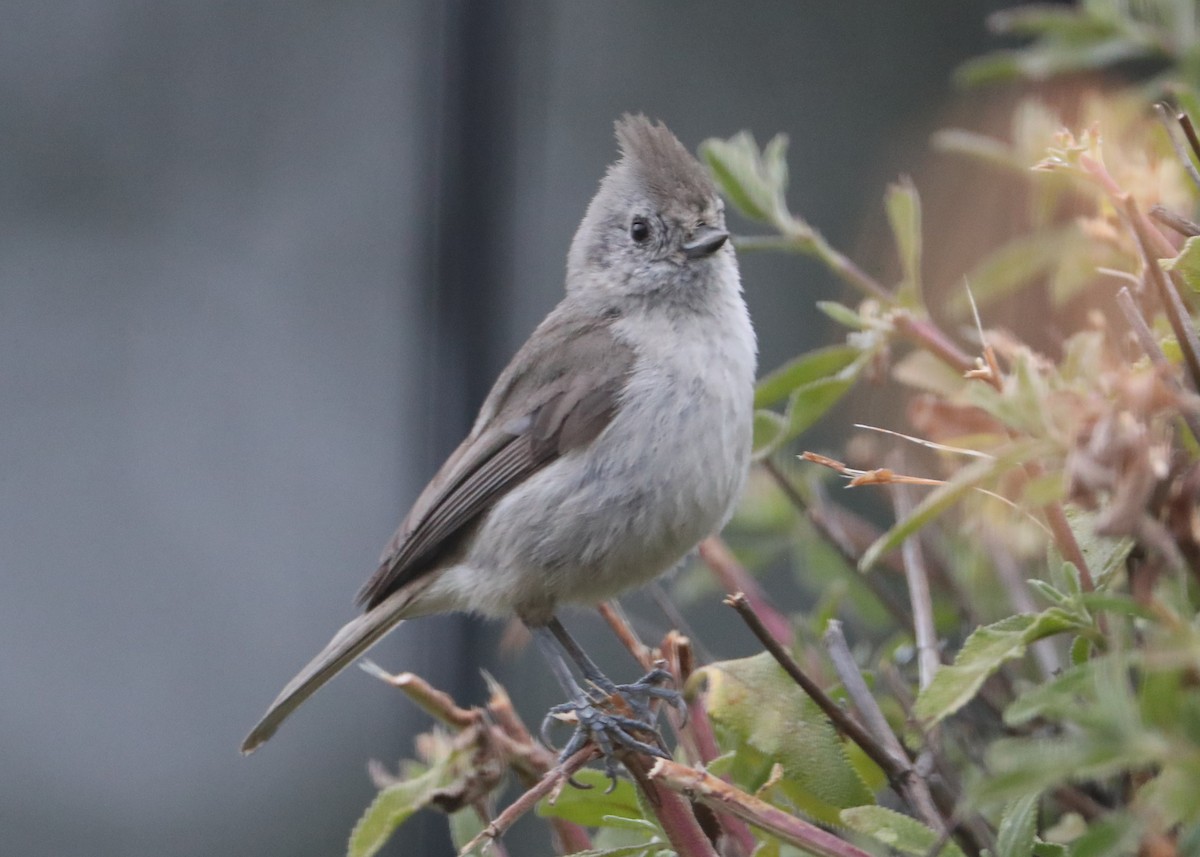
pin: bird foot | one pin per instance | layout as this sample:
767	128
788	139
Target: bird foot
611	714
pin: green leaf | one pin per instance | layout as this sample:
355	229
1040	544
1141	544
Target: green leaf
842	314
391	808
1104	555
465	825
983	148
896	831
807	401
590	807
904	214
1187	263
753	182
982	654
1114	835
821	363
1014	266
769	427
753	703
1018	825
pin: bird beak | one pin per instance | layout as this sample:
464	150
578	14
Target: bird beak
705	241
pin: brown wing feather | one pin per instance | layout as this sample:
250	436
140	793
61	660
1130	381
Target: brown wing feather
554	398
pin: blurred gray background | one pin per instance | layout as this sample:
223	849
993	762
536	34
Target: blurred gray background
259	263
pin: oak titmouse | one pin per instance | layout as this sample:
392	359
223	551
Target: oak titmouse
616	439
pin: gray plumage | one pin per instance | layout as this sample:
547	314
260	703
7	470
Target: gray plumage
616	439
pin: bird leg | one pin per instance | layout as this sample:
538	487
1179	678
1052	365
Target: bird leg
593	709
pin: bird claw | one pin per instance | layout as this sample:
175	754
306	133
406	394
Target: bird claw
611	731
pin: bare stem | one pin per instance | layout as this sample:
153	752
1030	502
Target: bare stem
1185	227
799	237
1145	337
612	613
917	576
906	780
930	337
724	798
894	764
554	778
673	810
1169	121
1177	314
436	703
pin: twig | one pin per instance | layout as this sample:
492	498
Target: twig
1185	122
436	703
554	778
1185	333
698	732
929	336
1145	337
911	784
1064	536
673	811
893	761
917	577
1185	227
724	798
799	237
1169	120
734	578
612	613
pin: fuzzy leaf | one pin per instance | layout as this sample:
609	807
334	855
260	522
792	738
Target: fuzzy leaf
904	214
1104	554
821	363
1014	266
753	182
1018	826
982	654
842	314
769	427
807	402
754	703
1187	263
391	808
896	831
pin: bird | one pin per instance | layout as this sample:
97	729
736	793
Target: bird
616	439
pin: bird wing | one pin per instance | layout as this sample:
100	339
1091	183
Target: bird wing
558	394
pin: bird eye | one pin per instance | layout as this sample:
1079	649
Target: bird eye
639	230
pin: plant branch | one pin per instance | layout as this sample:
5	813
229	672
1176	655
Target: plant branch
929	336
1177	315
907	780
917	576
1185	227
891	759
798	237
1145	337
554	779
672	809
1169	121
724	798
436	703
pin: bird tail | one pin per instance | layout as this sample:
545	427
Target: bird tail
353	640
